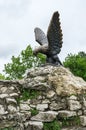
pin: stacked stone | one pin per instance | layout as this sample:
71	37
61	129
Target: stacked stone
62	94
54	100
8	104
51	107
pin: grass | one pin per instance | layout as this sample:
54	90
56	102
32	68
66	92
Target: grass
34	112
65	122
54	125
71	121
28	94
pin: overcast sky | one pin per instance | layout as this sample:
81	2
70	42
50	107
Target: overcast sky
18	18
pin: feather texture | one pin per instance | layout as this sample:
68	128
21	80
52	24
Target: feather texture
54	34
40	36
52	43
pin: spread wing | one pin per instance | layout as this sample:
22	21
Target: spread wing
40	36
54	35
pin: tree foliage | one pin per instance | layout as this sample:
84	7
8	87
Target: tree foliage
26	60
77	64
2	77
18	66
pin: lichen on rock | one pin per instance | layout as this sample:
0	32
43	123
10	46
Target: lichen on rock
56	78
46	94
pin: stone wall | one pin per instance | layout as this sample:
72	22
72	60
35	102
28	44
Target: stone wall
45	95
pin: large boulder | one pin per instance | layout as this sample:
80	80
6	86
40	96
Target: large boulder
56	78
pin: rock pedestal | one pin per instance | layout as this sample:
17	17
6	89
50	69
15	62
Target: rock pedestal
54	94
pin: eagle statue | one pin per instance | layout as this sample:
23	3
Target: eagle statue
50	44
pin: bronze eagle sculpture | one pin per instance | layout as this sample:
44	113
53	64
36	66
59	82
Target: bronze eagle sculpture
52	42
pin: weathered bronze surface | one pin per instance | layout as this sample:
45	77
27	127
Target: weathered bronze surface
52	42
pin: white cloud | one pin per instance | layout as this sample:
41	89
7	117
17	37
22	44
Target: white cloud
18	18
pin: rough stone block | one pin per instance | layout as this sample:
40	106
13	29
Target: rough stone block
14	95
47	116
34	125
12	109
65	113
73	97
3	96
2	110
3	89
83	120
45	101
74	105
11	101
42	107
50	94
25	102
57	105
79	113
24	107
23	116
84	103
84	112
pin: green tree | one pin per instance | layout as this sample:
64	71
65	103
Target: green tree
2	77
18	66
77	64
